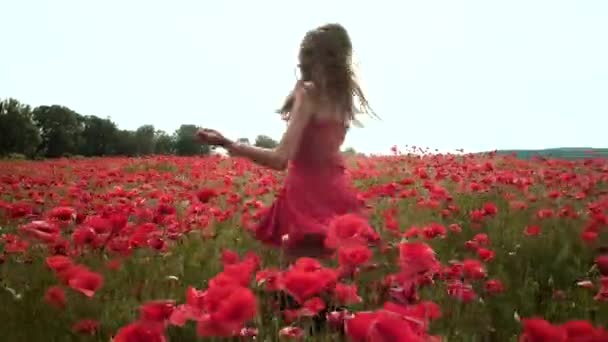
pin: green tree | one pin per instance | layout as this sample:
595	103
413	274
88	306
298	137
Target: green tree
243	141
144	137
18	133
265	141
125	144
163	143
185	141
98	137
349	151
60	128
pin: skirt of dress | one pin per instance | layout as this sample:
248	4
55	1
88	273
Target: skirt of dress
299	218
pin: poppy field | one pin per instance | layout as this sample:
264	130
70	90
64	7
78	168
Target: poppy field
465	247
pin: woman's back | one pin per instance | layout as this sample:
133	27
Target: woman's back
319	148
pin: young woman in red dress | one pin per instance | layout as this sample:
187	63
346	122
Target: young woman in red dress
319	111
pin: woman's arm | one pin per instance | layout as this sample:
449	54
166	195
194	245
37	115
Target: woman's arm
278	157
263	156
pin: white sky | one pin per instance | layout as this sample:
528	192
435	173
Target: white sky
447	74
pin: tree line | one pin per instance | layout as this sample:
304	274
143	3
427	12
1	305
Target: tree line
57	131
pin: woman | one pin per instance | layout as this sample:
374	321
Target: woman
319	111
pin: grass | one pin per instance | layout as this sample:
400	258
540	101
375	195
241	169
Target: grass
540	273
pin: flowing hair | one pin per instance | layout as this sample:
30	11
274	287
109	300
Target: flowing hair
325	59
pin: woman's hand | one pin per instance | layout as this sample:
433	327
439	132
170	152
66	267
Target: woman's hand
212	137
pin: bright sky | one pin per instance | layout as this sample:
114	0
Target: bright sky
446	74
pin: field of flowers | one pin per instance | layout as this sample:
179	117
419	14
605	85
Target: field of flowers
469	248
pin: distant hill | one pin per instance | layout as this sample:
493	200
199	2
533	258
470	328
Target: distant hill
571	153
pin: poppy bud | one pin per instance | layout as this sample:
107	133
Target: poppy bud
602	264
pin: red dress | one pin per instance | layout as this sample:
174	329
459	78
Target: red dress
316	189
